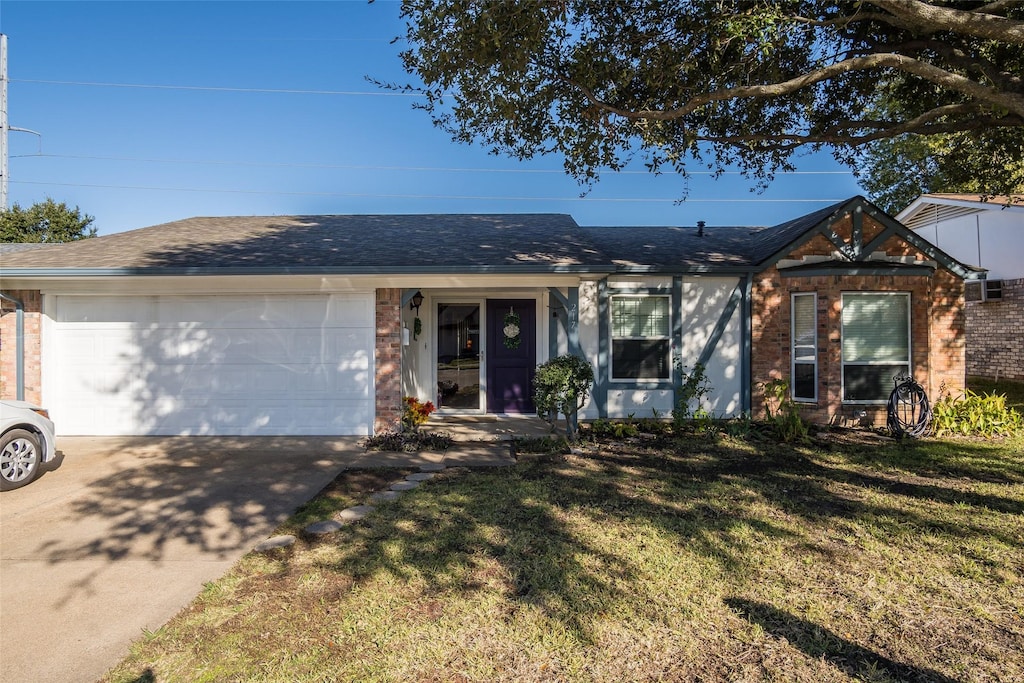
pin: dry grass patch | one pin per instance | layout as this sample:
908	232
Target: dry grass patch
639	560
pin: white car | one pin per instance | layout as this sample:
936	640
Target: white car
26	443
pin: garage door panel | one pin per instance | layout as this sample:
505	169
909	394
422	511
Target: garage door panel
100	346
214	365
251	345
267	312
228	380
106	309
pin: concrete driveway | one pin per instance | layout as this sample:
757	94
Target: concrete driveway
125	531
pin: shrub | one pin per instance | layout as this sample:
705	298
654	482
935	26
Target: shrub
408	442
783	414
694	386
972	414
618	429
562	385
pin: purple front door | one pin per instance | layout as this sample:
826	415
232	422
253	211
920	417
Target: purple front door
511	358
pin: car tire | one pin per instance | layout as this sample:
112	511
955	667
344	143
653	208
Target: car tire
20	456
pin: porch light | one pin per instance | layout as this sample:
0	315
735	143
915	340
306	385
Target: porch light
417	300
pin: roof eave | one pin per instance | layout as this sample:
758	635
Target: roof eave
64	273
688	269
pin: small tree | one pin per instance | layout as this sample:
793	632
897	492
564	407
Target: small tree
562	385
45	222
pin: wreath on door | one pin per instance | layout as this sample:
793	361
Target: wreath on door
512	330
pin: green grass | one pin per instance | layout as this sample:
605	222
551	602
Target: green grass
853	558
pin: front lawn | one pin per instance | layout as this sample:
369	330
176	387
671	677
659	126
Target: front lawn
853	558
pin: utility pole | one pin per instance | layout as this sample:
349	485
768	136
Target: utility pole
4	126
3	122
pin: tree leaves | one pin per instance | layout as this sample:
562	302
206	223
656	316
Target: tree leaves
47	222
745	83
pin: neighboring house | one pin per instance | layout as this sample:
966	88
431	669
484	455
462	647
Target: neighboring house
989	235
307	324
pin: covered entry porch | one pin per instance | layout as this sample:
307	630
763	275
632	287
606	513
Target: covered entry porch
473	351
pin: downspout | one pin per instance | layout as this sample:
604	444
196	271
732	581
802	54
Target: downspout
747	332
19	345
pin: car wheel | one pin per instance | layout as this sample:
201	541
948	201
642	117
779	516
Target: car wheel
20	454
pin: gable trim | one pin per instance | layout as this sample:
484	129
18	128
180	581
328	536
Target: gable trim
858	252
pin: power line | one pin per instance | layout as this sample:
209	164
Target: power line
284	91
363	167
647	200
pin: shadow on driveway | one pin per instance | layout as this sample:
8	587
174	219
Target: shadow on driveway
125	532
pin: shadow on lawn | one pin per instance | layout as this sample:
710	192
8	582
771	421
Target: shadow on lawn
818	642
527	522
505	516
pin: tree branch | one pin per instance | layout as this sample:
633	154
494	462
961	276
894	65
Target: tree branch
957	57
929	72
792	141
972	23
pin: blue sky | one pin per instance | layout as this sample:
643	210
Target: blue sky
213	141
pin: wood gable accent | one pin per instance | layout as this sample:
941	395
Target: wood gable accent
861	239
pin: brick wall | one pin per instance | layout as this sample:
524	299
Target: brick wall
937	330
995	335
32	301
388	352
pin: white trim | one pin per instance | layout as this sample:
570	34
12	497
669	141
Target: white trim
612	338
842	338
454	299
792	346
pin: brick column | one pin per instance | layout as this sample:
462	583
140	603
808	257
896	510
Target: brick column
9	346
388	360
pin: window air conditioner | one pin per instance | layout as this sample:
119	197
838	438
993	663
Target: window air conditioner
983	290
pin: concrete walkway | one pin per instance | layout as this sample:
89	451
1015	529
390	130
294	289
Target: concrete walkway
125	532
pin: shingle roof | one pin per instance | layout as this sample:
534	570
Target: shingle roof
717	248
13	247
673	247
348	243
417	243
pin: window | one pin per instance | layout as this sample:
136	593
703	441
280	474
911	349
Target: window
641	336
876	344
805	347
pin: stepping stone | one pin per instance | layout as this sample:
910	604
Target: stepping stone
404	485
432	467
354	514
326	526
274	542
420	476
385	495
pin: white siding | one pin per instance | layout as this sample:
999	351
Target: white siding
992	238
704	300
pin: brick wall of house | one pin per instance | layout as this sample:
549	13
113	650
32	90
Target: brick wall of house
937	328
32	301
995	335
388	352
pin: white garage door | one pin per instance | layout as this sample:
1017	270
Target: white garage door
212	365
